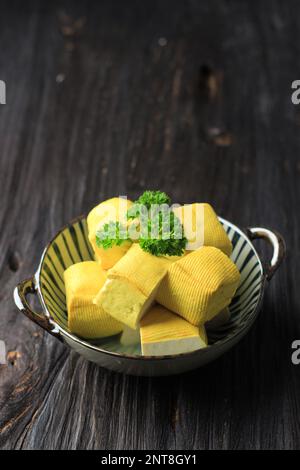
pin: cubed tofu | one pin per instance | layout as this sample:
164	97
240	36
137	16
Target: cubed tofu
202	227
165	333
130	337
111	210
82	282
131	285
199	285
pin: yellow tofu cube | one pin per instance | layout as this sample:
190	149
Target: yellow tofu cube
130	337
111	210
202	227
82	282
165	333
131	285
199	285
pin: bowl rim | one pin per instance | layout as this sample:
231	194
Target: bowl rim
83	343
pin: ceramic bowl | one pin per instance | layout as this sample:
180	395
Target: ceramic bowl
70	245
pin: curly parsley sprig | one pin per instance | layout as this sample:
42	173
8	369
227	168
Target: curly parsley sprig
161	234
111	234
164	234
148	199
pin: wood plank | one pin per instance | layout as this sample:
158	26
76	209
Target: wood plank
108	98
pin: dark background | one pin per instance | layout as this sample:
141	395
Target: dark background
109	98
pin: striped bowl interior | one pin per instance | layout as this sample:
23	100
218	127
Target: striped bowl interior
71	246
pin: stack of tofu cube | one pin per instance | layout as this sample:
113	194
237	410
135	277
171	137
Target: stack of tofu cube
165	303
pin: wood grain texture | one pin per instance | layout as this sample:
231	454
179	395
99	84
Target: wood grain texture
99	105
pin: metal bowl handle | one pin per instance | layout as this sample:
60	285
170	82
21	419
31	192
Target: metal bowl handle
276	241
20	297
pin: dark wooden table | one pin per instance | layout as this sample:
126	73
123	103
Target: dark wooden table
113	97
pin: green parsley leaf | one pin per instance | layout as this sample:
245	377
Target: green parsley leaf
147	199
168	237
111	234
